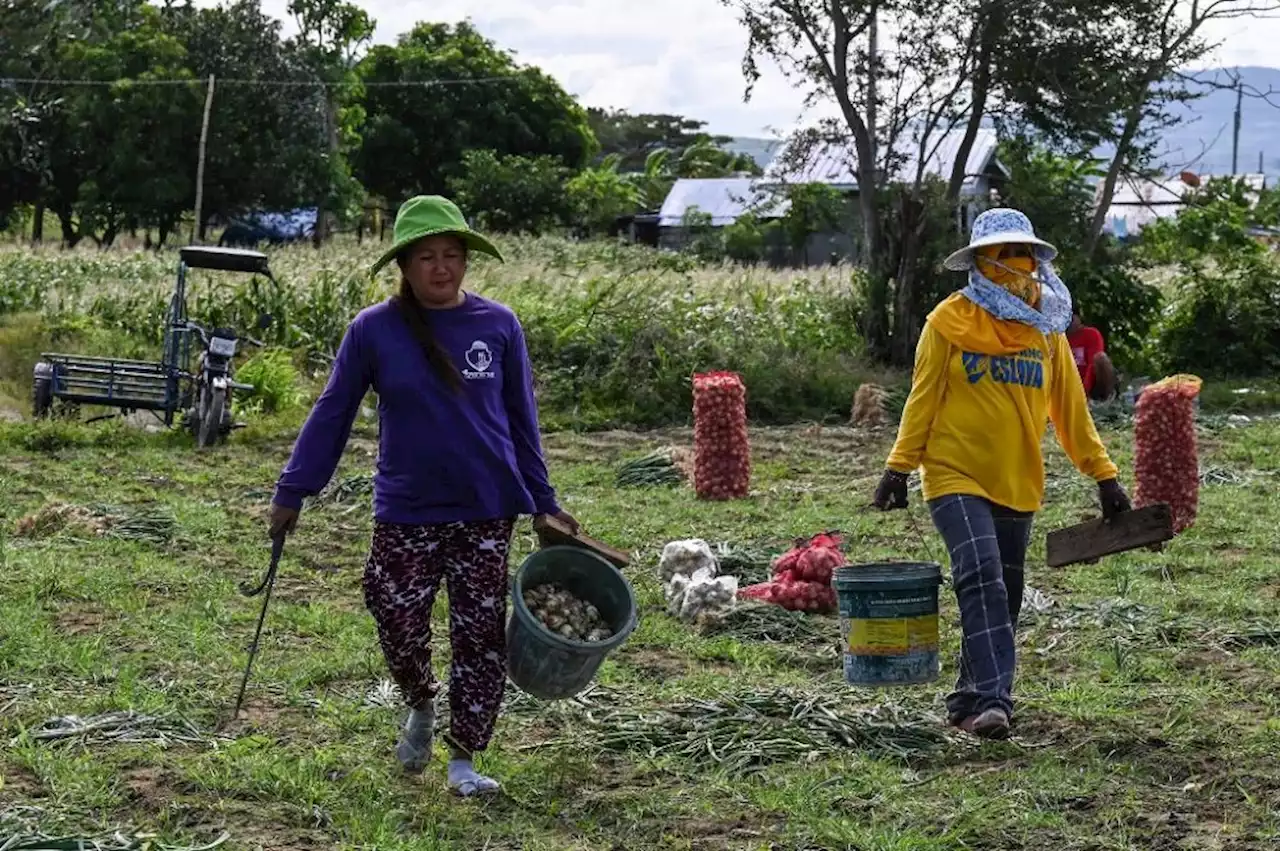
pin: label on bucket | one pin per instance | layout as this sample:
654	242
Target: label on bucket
892	636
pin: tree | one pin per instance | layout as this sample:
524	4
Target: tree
599	195
138	170
1163	36
331	36
267	146
812	208
512	193
471	95
634	138
1214	224
655	181
1056	192
704	158
81	142
943	69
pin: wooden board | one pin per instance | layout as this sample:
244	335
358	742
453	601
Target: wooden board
1129	530
551	533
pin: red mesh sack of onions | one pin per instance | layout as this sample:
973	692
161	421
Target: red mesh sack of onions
814	560
1166	466
798	596
722	452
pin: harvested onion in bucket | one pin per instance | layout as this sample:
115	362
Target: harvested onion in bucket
566	615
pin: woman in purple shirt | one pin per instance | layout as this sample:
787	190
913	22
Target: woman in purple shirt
459	458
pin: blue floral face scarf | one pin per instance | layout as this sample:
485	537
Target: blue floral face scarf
1054	314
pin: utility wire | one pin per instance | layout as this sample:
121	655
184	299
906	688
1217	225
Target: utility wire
408	84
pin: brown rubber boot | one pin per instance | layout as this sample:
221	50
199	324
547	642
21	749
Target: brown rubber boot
992	724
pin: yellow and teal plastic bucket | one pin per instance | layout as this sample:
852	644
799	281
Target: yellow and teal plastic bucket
889	622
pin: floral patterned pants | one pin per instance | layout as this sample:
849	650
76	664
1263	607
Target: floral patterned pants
405	568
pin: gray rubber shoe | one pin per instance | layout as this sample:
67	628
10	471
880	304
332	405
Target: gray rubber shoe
414	748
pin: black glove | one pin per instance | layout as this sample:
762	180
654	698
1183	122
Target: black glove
1113	498
891	493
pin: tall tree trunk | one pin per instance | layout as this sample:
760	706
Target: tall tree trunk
906	313
37	224
1132	122
980	91
70	237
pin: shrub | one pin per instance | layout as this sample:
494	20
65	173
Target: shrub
274	378
1055	193
1224	321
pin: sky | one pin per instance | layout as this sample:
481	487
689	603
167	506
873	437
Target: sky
673	56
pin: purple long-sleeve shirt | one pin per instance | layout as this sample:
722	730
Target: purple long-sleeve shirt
442	456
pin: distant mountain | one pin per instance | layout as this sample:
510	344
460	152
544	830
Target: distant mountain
1203	139
1202	142
760	150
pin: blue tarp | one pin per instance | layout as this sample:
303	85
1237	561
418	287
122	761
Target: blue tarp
271	227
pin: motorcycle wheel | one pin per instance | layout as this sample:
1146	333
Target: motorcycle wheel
41	398
211	419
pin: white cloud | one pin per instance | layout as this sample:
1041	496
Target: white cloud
679	56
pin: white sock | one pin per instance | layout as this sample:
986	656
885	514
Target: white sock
466	781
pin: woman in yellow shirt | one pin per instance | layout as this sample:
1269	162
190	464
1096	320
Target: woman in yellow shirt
992	365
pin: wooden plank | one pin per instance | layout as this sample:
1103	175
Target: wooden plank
551	533
1129	530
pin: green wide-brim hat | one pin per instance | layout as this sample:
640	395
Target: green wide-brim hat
432	215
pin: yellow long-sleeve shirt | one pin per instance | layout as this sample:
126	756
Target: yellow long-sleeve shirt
974	422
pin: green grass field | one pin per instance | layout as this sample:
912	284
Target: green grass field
1149	714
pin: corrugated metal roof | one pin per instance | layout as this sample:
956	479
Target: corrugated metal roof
1137	203
725	199
835	164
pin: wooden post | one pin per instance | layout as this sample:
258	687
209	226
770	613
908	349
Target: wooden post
204	140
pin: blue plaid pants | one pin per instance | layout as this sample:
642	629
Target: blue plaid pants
987	544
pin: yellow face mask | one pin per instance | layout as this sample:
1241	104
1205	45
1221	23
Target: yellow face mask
1011	267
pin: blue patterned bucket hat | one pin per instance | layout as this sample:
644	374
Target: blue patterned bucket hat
999	226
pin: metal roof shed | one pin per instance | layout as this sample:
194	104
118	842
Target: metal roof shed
724	199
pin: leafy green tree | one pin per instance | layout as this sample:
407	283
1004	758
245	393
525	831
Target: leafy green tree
1056	193
599	195
331	36
513	193
704	159
473	95
634	137
812	208
267	147
747	239
141	168
905	74
1214	224
655	181
82	142
1223	320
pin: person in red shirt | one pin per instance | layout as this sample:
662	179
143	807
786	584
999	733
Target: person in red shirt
1096	370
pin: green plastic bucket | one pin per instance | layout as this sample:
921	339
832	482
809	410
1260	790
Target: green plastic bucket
544	663
889	622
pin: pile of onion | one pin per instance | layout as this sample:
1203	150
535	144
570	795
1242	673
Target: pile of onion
1166	464
722	451
566	615
802	576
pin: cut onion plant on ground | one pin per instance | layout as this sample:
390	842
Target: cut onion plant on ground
662	467
746	731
